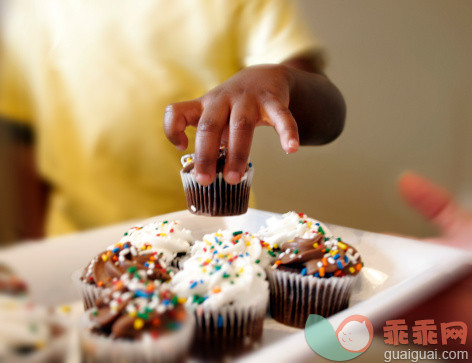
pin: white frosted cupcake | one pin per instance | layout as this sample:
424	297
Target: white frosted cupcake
229	295
236	243
168	238
291	225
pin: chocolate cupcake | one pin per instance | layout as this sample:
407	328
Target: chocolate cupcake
219	198
312	276
10	283
117	264
152	249
136	322
290	225
228	294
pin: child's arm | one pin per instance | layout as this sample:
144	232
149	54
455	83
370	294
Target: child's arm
22	191
300	103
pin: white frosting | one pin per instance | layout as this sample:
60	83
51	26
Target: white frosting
225	241
22	324
291	225
220	280
168	238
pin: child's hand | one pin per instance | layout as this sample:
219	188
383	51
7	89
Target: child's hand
437	205
228	114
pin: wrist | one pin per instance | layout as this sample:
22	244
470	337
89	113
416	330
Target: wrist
289	76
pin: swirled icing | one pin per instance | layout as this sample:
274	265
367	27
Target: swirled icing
167	238
220	279
135	309
237	242
320	257
291	225
107	268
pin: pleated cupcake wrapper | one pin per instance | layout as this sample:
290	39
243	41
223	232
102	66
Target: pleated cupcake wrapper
228	331
218	198
171	347
90	293
294	297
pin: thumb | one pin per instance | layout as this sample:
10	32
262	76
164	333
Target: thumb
430	200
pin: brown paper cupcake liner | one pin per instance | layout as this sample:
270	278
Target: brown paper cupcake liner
294	297
90	293
171	347
218	198
228	331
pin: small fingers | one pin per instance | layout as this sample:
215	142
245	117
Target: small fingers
241	130
207	141
430	200
176	119
285	125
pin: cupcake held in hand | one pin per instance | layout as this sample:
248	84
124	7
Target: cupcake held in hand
219	198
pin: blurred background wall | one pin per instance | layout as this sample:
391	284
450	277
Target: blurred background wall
404	68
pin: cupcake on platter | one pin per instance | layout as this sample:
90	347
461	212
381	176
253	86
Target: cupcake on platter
312	276
150	250
119	263
290	225
236	243
136	322
219	198
228	293
10	283
169	238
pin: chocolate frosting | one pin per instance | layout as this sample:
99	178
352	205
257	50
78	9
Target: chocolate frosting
132	314
319	256
189	161
110	265
10	283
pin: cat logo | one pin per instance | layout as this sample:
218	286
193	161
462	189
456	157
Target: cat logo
351	339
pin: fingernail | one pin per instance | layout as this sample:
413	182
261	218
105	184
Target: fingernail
293	145
203	179
233	177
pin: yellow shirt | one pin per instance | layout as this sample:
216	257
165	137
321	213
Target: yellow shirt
94	76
